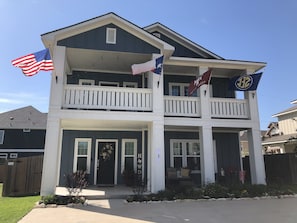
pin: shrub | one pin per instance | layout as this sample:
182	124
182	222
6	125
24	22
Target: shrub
215	191
75	182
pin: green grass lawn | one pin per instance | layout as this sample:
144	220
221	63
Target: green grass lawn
12	209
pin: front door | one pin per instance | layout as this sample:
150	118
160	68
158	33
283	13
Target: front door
105	162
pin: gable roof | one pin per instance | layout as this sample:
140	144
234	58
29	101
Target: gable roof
158	27
23	118
285	112
50	38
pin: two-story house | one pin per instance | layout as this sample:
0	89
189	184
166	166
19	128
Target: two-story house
104	120
282	137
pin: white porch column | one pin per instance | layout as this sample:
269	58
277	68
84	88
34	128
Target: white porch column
256	158
207	156
51	161
157	156
156	129
205	134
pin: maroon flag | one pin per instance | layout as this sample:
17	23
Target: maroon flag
195	84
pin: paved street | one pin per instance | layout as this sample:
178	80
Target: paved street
116	210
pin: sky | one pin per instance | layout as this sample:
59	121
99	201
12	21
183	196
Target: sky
261	31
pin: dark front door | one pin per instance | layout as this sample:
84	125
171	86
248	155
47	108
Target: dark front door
106	163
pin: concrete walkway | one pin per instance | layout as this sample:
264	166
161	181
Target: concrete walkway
116	210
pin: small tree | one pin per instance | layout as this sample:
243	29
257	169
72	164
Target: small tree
75	182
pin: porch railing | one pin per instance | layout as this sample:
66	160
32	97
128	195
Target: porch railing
181	106
109	98
229	108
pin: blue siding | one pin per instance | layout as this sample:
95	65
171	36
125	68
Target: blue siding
97	76
228	152
96	39
180	50
68	149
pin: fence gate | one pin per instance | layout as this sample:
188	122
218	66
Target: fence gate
22	176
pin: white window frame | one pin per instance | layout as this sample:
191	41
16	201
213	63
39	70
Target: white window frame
89	141
184	155
2	132
3	156
129	84
124	156
13	155
86	82
182	88
108	83
111	35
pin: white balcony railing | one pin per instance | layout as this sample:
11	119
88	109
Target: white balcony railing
229	108
139	99
181	106
108	98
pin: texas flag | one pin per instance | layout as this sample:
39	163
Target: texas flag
154	65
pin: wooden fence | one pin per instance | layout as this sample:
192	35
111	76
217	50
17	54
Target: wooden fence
280	168
23	176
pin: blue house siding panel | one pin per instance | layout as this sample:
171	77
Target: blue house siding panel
96	39
228	152
180	50
18	139
220	88
68	149
109	77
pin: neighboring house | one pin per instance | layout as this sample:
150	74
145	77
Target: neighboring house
22	133
244	143
282	136
104	120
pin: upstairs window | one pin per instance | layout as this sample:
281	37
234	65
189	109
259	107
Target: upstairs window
86	82
111	35
179	89
1	136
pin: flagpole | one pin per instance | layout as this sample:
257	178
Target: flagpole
208	83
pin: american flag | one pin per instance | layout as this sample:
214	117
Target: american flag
31	64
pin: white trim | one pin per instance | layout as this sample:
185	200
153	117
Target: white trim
89	141
134	84
23	150
134	154
115	159
108	83
86	82
13	155
3	155
111	35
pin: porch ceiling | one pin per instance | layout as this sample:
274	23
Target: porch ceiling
103	124
84	59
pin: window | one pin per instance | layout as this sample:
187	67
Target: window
3	158
1	136
129	154
82	155
13	155
108	84
86	82
130	84
111	35
185	153
180	89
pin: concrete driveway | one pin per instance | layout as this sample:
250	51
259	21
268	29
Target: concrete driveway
116	210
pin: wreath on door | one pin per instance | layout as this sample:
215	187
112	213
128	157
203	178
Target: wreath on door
106	151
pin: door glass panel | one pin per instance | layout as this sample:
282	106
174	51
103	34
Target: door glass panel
193	163
82	148
178	162
193	149
177	148
129	163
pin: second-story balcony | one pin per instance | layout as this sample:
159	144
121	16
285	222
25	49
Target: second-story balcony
141	99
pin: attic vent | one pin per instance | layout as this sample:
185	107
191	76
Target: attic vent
157	35
111	35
